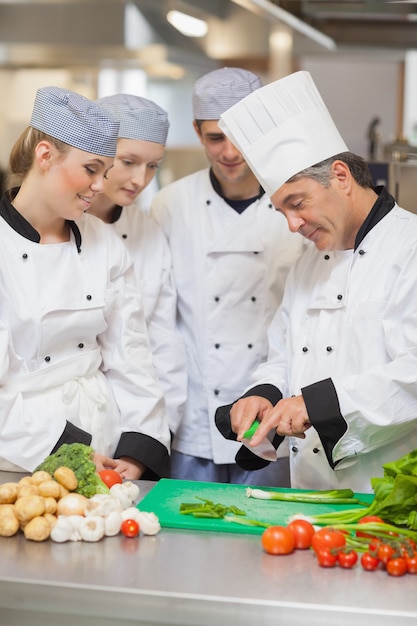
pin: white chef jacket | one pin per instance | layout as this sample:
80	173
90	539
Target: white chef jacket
151	257
229	271
75	348
352	316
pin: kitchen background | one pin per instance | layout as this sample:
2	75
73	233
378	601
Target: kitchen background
361	54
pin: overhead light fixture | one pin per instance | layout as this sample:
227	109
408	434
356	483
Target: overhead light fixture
268	9
187	25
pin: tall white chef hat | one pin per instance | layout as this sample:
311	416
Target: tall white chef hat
220	89
139	118
281	129
75	120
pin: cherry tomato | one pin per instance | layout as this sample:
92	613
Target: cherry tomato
326	558
303	533
347	559
368	519
130	528
385	552
110	477
397	566
278	540
369	562
411	563
327	538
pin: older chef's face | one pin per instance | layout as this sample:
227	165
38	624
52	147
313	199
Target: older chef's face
135	166
227	163
323	215
78	177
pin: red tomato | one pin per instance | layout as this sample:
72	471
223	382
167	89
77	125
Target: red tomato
368	519
326	558
369	562
327	538
130	528
396	567
110	477
278	540
385	552
347	559
303	533
411	562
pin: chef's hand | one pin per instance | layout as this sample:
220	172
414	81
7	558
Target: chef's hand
288	417
103	462
129	469
244	412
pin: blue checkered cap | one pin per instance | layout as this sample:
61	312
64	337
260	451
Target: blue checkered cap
75	120
139	118
220	89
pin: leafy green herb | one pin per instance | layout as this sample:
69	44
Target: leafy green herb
395	498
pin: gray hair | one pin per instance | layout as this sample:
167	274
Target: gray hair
321	172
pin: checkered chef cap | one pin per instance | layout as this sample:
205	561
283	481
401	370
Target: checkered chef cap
139	118
220	89
75	120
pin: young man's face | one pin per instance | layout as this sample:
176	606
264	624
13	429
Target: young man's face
227	163
321	214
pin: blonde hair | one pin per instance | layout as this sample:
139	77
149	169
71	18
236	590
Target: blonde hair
22	155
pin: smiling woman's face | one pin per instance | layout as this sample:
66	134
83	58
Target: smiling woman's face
74	179
135	166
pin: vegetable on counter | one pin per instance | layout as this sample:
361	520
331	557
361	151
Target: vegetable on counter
395	499
331	496
79	458
43	508
208	509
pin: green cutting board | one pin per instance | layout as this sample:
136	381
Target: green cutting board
165	498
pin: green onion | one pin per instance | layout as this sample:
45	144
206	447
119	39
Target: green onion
331	496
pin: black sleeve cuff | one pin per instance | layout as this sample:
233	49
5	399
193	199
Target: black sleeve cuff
324	414
72	434
246	459
147	450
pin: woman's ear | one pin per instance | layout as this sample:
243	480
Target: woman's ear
43	154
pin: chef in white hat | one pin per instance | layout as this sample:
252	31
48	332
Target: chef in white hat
340	378
75	359
231	254
143	135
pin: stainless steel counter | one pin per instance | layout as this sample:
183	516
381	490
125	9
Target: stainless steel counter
190	579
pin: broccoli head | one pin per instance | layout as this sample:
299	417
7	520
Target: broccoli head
79	458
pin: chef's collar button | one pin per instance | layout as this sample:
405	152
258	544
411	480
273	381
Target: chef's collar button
329	348
47	359
253	299
361	252
81	345
250	345
216	392
216	299
208	202
255	252
270	206
305	349
339	296
326	257
24	256
315	450
294	449
124	236
89	297
217	346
